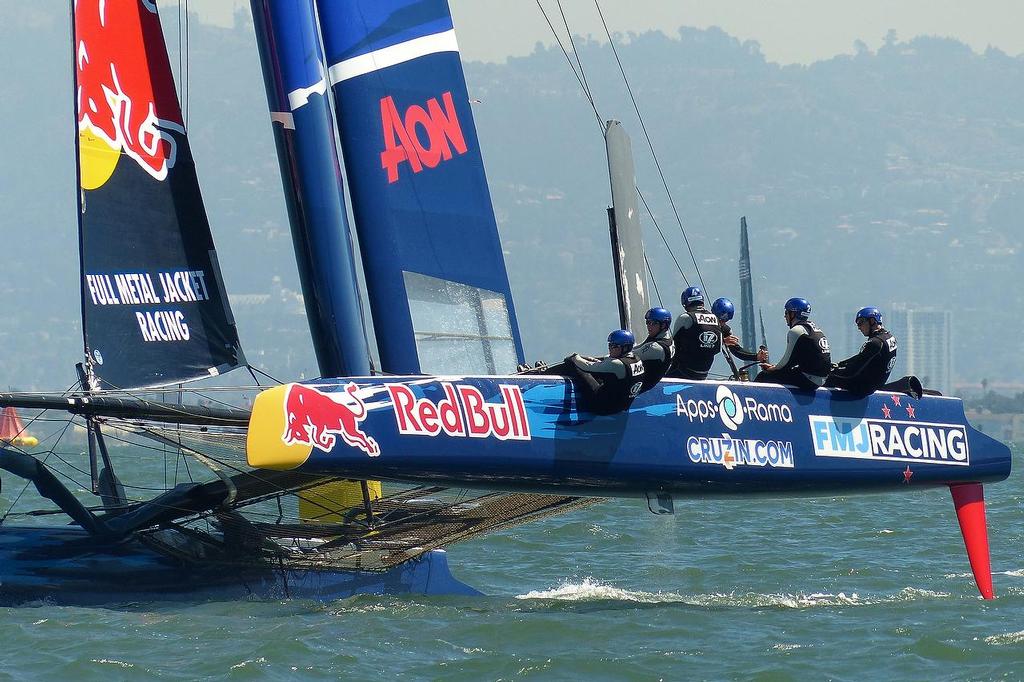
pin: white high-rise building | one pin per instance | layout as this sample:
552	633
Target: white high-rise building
925	337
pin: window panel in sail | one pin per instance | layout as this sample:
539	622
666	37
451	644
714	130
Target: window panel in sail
459	329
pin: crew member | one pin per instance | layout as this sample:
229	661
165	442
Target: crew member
807	360
868	370
608	385
697	338
724	311
657	350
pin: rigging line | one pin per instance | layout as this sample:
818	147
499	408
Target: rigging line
69	465
662	234
200	393
265	375
579	62
252	374
650	144
583	86
653	281
181	85
187	450
28	483
162	404
203	459
188	72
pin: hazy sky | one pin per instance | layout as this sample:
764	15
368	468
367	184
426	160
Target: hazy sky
789	30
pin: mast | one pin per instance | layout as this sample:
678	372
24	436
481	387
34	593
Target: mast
626	235
746	290
294	75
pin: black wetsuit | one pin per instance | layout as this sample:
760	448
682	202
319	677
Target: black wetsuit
868	370
806	362
608	385
698	339
656	352
739	351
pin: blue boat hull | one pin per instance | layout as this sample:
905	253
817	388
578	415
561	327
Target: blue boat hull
683	438
66	565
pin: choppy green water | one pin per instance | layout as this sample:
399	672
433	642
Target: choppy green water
848	588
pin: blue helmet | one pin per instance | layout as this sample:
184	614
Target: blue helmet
659	315
869	313
723	309
691	295
622	338
800	307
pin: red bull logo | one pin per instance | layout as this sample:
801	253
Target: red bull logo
317	419
126	99
422	137
463	412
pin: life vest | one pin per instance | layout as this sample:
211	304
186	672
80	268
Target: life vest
656	354
696	346
812	354
617	393
882	347
886	359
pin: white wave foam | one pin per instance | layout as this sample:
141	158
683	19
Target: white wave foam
245	663
1017	573
789	601
912	593
787	647
591	589
111	661
463	649
1006	638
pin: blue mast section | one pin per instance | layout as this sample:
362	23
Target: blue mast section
294	74
435	271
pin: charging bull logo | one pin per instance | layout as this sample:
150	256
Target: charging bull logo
316	419
126	101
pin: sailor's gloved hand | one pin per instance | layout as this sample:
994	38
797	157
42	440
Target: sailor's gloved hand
731	340
762	354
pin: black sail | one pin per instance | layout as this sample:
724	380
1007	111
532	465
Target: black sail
154	308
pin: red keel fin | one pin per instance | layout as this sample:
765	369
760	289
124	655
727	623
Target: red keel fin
969	500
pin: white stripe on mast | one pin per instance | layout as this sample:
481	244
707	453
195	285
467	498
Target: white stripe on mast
394	54
300	97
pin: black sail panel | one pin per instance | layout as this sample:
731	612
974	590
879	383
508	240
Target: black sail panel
154	308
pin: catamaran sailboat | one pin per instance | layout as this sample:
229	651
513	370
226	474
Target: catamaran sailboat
439	417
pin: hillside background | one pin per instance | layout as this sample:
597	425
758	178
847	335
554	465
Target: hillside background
890	176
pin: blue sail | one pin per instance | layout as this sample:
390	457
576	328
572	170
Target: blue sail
435	274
